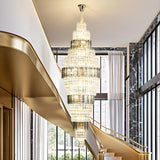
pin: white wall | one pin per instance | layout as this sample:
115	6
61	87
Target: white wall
20	17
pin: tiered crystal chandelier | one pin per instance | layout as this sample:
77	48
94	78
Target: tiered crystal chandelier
81	74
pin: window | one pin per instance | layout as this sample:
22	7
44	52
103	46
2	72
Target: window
104	74
145	120
158	123
149	121
61	60
105	118
97	110
149	100
158	49
60	143
149	59
51	141
153	55
153	124
145	62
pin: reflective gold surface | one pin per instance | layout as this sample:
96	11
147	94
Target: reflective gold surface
6	133
118	146
23	75
101	155
122	136
5	98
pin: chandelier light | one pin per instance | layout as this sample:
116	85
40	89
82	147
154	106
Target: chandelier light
81	74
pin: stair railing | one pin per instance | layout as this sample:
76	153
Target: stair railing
124	138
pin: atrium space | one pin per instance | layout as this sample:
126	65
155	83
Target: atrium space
79	83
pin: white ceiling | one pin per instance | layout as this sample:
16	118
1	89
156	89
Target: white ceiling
112	23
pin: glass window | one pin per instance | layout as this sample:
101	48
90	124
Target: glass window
149	58
97	112
158	122
141	72
153	124
68	142
153	54
145	62
149	121
98	85
141	120
60	143
68	146
51	141
105	114
92	114
89	155
149	111
145	120
75	149
158	49
61	60
104	74
83	153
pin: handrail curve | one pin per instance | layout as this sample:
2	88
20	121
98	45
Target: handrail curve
140	146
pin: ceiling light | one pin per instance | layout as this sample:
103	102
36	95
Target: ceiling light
81	74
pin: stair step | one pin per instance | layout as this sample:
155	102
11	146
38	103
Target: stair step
112	158
111	154
104	150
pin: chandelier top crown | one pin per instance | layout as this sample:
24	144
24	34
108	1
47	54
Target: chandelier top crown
82	7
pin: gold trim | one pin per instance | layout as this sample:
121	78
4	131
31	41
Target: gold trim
68	72
145	147
80	125
80	44
19	43
120	147
101	155
79	99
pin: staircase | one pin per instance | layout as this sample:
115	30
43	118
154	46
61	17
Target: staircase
106	155
111	156
115	146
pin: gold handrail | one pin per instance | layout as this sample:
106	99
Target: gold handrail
145	147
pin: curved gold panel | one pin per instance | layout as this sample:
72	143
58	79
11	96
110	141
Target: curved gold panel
139	146
23	75
122	149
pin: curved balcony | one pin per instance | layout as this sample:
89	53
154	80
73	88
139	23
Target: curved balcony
27	65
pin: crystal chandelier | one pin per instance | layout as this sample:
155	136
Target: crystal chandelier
81	74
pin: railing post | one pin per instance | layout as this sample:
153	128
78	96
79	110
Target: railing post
101	155
145	156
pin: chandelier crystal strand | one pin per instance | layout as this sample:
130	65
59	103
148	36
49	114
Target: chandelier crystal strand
81	74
